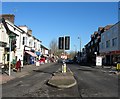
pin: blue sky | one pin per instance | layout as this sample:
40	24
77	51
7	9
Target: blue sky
50	20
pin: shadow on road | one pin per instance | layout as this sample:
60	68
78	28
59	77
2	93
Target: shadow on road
85	69
43	71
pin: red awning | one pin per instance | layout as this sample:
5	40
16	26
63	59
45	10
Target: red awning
31	53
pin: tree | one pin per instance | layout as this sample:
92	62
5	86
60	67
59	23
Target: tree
71	54
53	46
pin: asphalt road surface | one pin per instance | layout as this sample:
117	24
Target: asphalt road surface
91	82
95	82
35	85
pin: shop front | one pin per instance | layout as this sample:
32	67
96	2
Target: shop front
111	58
29	57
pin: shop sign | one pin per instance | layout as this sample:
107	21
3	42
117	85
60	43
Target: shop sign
19	52
27	48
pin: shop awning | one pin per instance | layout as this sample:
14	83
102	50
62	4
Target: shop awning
31	53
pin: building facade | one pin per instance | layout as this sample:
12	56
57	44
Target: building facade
9	33
110	45
31	46
27	47
92	48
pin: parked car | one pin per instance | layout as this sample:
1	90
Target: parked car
68	61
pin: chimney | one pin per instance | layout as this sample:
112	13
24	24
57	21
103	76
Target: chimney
9	17
30	32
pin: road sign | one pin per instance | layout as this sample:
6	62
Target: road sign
61	43
64	43
98	61
67	42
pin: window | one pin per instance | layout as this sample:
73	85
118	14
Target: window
114	41
108	44
23	41
34	44
29	43
102	46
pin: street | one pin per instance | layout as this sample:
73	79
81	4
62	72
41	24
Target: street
94	82
91	82
34	85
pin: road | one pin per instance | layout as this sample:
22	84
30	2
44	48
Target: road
95	82
35	85
91	82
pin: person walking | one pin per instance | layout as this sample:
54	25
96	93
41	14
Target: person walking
18	65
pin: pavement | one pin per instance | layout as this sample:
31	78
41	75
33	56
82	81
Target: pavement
26	70
109	69
62	80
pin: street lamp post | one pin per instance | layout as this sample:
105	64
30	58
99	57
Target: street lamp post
80	43
80	48
9	56
11	36
95	56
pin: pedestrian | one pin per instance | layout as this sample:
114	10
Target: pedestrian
18	65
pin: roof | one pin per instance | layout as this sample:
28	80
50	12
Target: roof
7	14
6	22
107	27
96	32
100	28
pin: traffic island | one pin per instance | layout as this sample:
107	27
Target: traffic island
62	80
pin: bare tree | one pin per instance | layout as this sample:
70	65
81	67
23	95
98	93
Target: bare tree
53	46
71	54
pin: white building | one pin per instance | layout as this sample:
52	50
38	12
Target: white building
110	44
4	41
26	44
7	30
44	50
31	46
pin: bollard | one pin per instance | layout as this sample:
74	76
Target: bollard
118	67
64	68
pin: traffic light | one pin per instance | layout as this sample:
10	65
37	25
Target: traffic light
13	45
61	43
67	42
